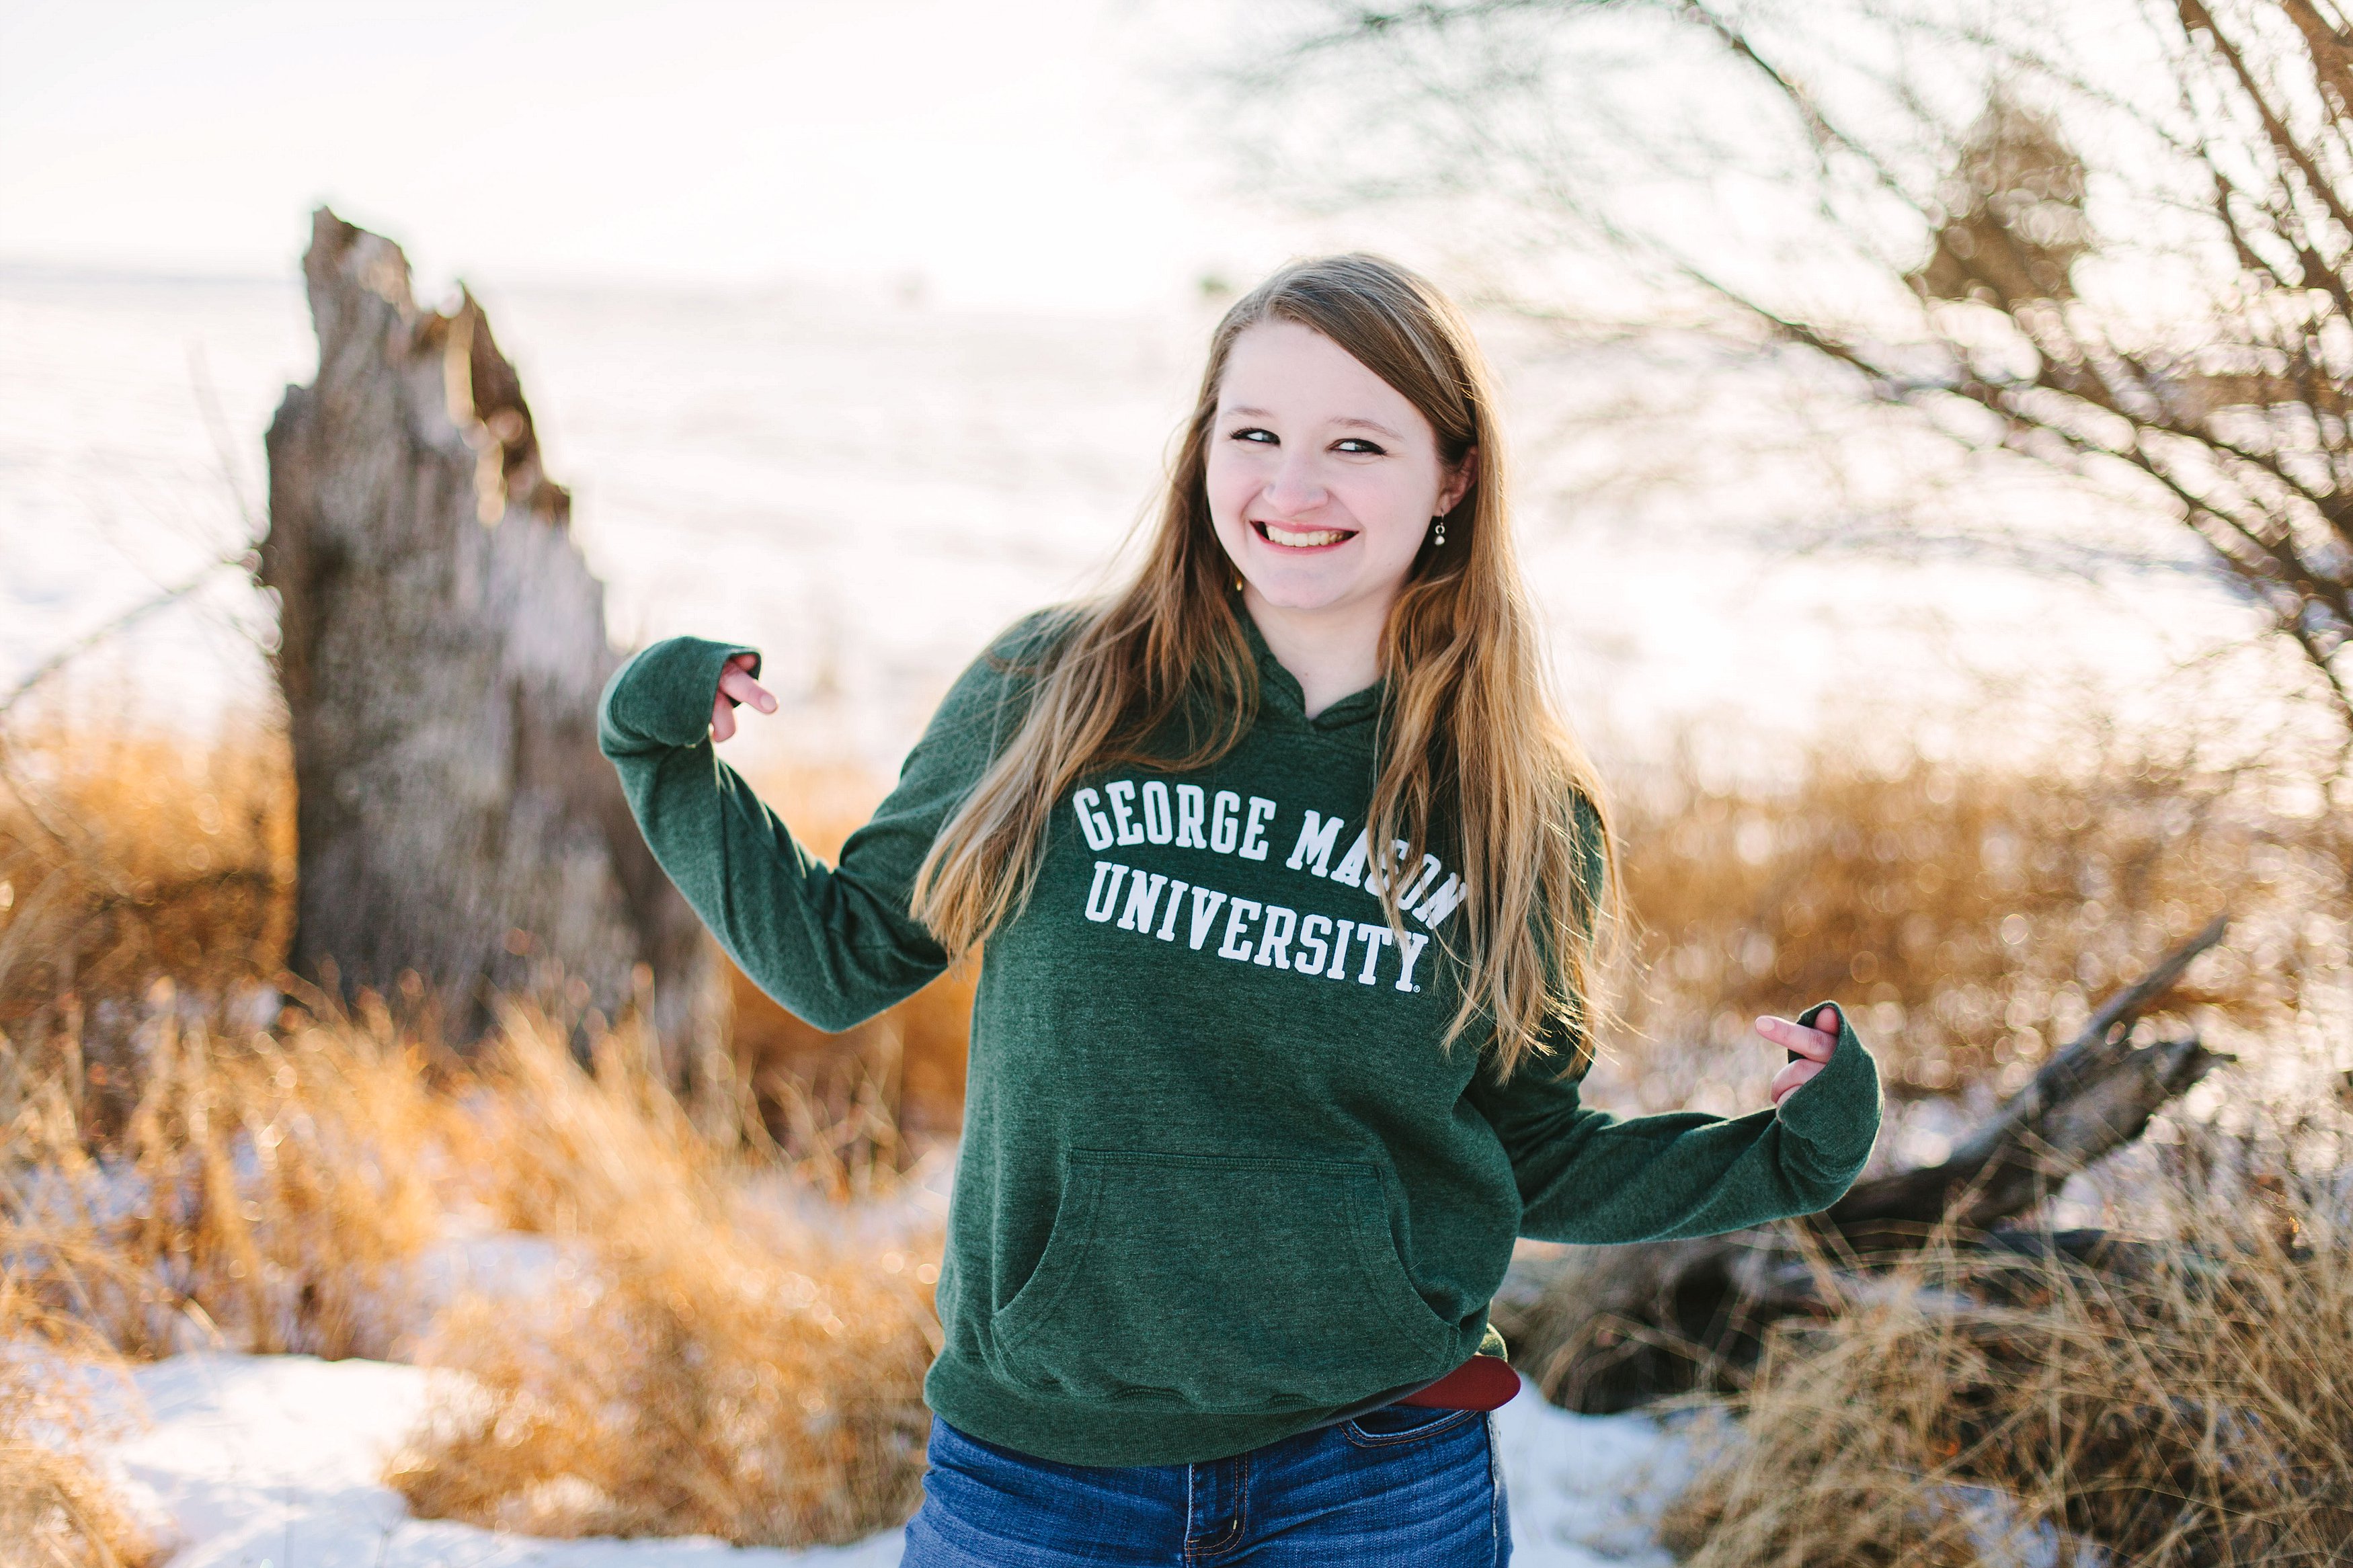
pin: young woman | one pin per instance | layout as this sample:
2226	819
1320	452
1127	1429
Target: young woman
1289	882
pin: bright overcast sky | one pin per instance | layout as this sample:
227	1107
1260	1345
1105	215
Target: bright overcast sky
1027	153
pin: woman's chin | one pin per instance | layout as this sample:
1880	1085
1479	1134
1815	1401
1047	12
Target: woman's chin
1298	591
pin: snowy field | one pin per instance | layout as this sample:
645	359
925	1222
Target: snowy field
869	490
253	1460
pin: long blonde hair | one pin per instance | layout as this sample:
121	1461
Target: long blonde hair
1468	726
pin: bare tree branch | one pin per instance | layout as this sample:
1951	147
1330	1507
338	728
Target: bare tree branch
2234	412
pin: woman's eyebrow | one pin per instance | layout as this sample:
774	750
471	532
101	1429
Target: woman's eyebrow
1345	419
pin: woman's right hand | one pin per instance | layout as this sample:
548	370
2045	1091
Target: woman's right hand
736	685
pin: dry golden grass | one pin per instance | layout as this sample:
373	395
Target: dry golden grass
266	1193
130	856
710	1365
166	1177
1972	916
56	1510
716	1367
2195	1411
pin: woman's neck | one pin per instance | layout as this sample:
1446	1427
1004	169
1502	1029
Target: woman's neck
1333	652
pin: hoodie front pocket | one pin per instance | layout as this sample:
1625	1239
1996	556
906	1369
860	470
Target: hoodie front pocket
1223	1284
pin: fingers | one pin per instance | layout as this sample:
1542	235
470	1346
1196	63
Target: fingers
1792	1077
735	682
1816	1044
1811	1046
736	685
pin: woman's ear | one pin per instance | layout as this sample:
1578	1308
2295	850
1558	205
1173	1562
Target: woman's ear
1458	482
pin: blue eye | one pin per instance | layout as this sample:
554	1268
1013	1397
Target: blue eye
1264	438
1357	444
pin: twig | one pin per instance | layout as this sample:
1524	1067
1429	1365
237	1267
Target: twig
75	649
208	409
121	623
2069	1072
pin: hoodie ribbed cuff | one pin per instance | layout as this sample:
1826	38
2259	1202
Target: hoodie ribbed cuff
1836	1110
663	696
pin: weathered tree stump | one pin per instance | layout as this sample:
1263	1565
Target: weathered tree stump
442	647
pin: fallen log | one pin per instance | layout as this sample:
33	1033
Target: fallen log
1603	1329
2095	1096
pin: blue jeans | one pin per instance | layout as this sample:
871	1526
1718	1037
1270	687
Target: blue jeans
1398	1487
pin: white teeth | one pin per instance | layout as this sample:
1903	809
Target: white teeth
1302	540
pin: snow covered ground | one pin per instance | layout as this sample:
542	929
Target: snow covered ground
250	1461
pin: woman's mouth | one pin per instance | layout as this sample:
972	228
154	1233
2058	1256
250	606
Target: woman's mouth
1275	533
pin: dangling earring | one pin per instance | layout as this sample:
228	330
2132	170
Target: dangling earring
1438	537
1238	582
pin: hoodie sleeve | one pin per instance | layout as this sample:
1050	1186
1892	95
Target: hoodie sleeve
835	944
1587	1176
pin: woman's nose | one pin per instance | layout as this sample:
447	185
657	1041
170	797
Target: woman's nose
1295	487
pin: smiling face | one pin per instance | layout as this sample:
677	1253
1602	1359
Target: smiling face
1322	477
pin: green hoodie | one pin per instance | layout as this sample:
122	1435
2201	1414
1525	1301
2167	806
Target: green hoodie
1218	1180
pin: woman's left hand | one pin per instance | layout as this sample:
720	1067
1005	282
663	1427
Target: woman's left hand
1813	1046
